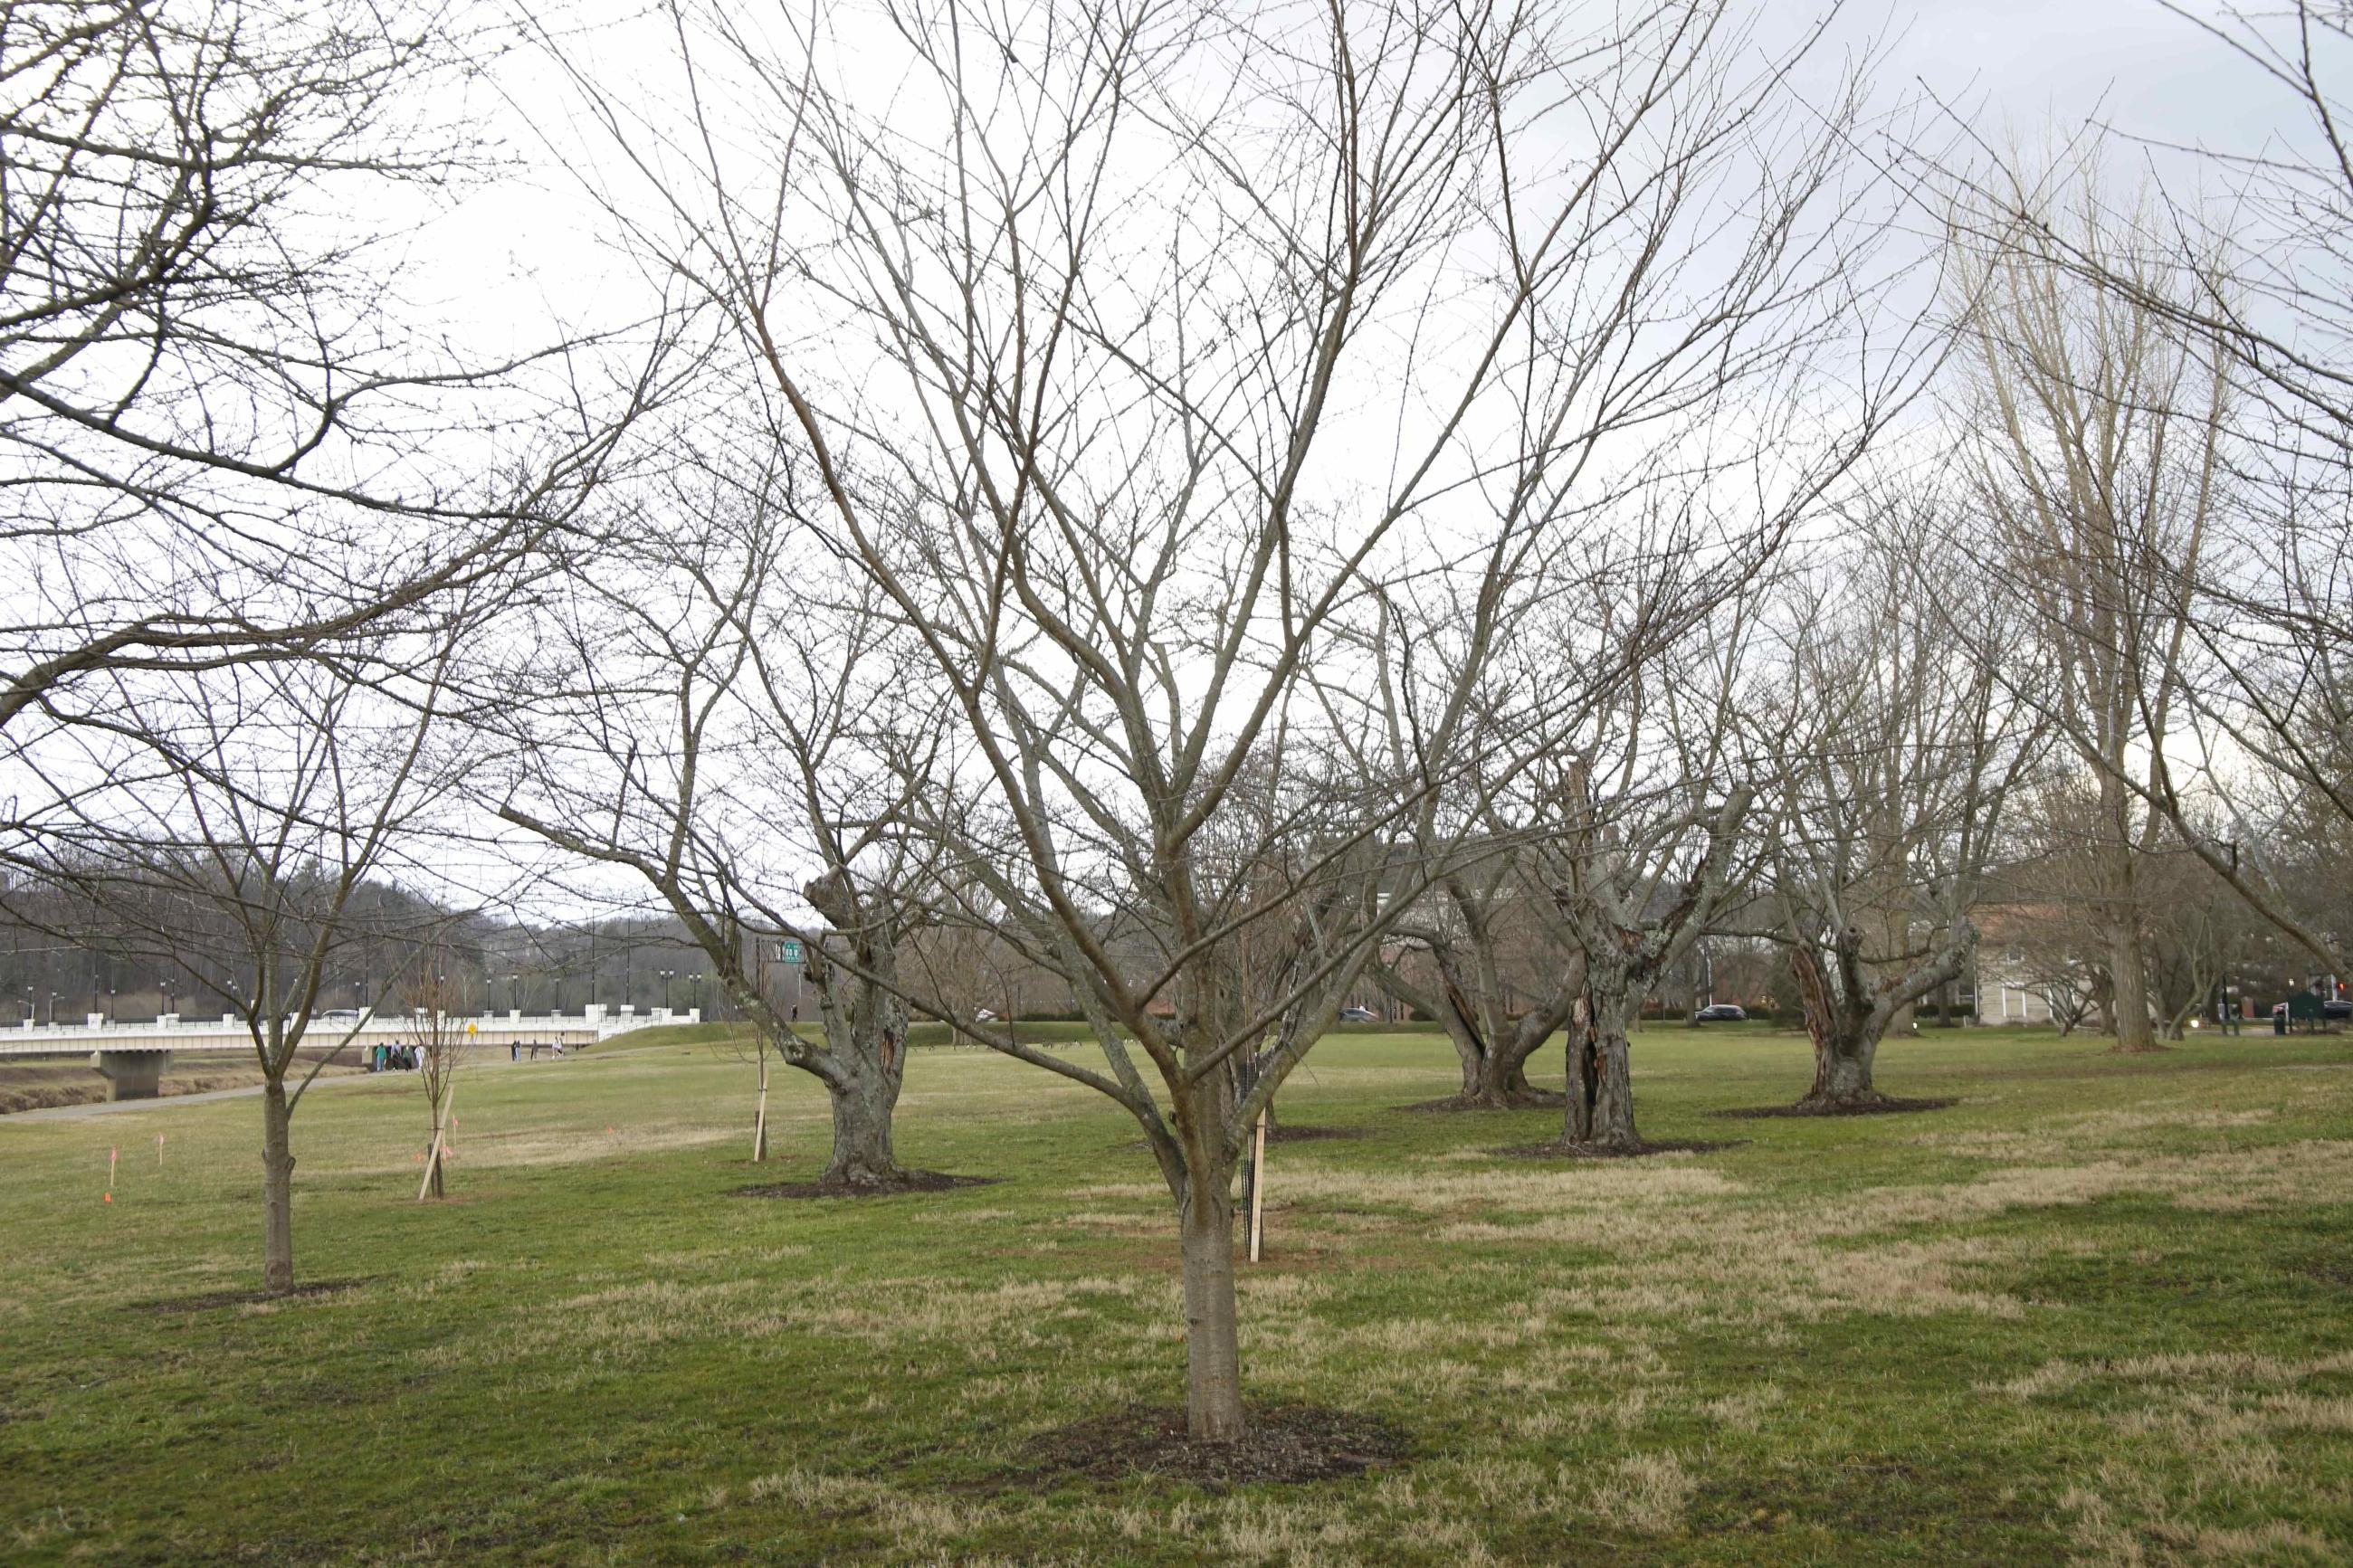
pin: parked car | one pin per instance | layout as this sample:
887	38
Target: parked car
984	1017
2337	1009
1359	1015
1720	1013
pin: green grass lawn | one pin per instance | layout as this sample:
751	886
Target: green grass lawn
2103	1310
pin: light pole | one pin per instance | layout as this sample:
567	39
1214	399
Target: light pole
514	992
666	976
694	992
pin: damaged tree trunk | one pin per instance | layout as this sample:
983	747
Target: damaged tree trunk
1848	1006
1601	1074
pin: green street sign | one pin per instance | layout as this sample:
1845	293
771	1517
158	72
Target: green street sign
788	952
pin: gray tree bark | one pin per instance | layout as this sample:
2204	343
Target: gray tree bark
864	1096
1601	1074
277	1189
1213	1375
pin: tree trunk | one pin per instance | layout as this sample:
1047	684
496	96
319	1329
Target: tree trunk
2128	988
1213	1376
1842	1062
277	1189
864	1098
1501	1078
1600	1078
433	1158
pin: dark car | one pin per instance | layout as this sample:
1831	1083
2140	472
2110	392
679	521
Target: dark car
1359	1015
1720	1013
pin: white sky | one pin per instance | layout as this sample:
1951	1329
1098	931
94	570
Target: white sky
2026	72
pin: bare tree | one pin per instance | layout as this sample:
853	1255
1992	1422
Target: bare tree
444	1041
2100	459
230	824
700	716
2244	265
1642	819
223	434
1901	748
1084	355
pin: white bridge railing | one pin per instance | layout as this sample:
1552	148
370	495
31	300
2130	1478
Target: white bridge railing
174	1032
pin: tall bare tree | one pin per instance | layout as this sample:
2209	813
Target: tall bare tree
700	714
1085	349
2101	460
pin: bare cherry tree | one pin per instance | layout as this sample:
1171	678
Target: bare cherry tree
224	433
1085	349
231	825
434	1016
1638	818
714	711
1900	748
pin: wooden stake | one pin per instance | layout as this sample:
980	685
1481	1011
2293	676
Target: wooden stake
760	1122
440	1139
1258	1187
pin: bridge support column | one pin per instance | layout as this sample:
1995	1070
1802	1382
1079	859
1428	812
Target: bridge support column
135	1075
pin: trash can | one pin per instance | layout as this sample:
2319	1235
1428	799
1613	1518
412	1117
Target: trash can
2279	1021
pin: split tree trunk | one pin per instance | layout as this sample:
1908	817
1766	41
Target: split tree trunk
277	1189
1842	1063
1213	1372
1500	1077
1600	1078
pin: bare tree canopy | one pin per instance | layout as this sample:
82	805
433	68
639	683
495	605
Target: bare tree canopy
223	431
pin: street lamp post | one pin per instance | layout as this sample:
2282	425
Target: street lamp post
666	976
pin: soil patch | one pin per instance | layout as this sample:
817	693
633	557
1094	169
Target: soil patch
1293	1132
1617	1150
213	1300
1883	1106
912	1182
1285	1442
1533	1100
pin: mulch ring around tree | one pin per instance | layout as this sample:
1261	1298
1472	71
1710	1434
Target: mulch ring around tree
1281	1443
912	1182
1296	1132
212	1300
1558	1151
1531	1099
1881	1105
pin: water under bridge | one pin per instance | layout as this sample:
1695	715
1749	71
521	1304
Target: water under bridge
133	1057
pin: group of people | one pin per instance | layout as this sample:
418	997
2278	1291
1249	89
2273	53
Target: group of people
392	1058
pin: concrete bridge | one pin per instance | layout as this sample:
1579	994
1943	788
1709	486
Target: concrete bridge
133	1057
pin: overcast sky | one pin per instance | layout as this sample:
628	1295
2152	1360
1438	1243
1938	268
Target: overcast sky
2028	73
